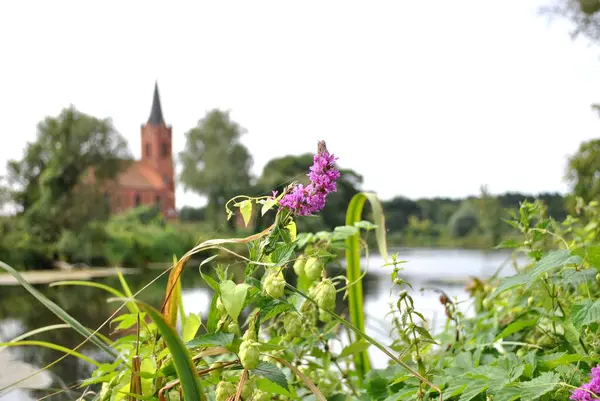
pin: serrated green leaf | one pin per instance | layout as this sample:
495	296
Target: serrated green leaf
271	388
515	327
509	393
233	297
271	373
424	335
585	312
534	389
246	210
356	347
283	254
274	308
213	339
551	361
510	283
473	389
591	254
552	261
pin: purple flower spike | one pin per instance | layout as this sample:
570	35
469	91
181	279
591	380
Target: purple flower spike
308	200
583	392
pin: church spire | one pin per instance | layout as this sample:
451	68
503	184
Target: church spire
156	116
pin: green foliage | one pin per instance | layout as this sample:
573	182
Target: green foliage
583	171
215	162
464	220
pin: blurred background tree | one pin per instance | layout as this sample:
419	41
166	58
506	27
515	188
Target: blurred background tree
215	163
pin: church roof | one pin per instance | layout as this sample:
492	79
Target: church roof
141	175
156	116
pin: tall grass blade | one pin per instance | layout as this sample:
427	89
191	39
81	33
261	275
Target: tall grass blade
355	292
130	306
53	346
58	311
186	371
37	331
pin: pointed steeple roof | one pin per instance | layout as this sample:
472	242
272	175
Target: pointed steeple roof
156	116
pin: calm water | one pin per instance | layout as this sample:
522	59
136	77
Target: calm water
426	270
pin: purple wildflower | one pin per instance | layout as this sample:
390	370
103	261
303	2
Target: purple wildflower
583	392
307	200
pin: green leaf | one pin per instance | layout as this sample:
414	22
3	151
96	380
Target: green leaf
509	393
185	368
551	361
534	389
271	373
585	312
473	389
365	225
455	387
49	345
222	339
130	305
209	280
424	335
58	311
510	283
267	205
246	210
291	227
271	388
554	260
213	315
377	387
508	244
359	346
516	327
233	297
591	254
274	308
353	271
343	232
282	254
192	324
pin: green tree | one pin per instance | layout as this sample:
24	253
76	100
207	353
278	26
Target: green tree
398	212
215	163
583	171
47	181
490	216
584	15
464	220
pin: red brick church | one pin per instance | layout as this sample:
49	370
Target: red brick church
149	181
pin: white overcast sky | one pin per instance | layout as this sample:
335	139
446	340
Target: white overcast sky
424	98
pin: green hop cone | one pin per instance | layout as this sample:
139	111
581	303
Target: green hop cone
299	266
221	306
292	324
260	396
248	388
324	294
274	284
249	335
233	328
249	354
225	390
313	268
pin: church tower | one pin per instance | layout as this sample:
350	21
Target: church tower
157	150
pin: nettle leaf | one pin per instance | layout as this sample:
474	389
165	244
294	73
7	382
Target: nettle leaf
424	335
204	340
271	373
515	327
509	393
246	210
534	389
554	260
473	389
585	312
510	283
591	254
356	347
233	297
282	254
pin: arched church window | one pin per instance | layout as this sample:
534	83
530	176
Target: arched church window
164	149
